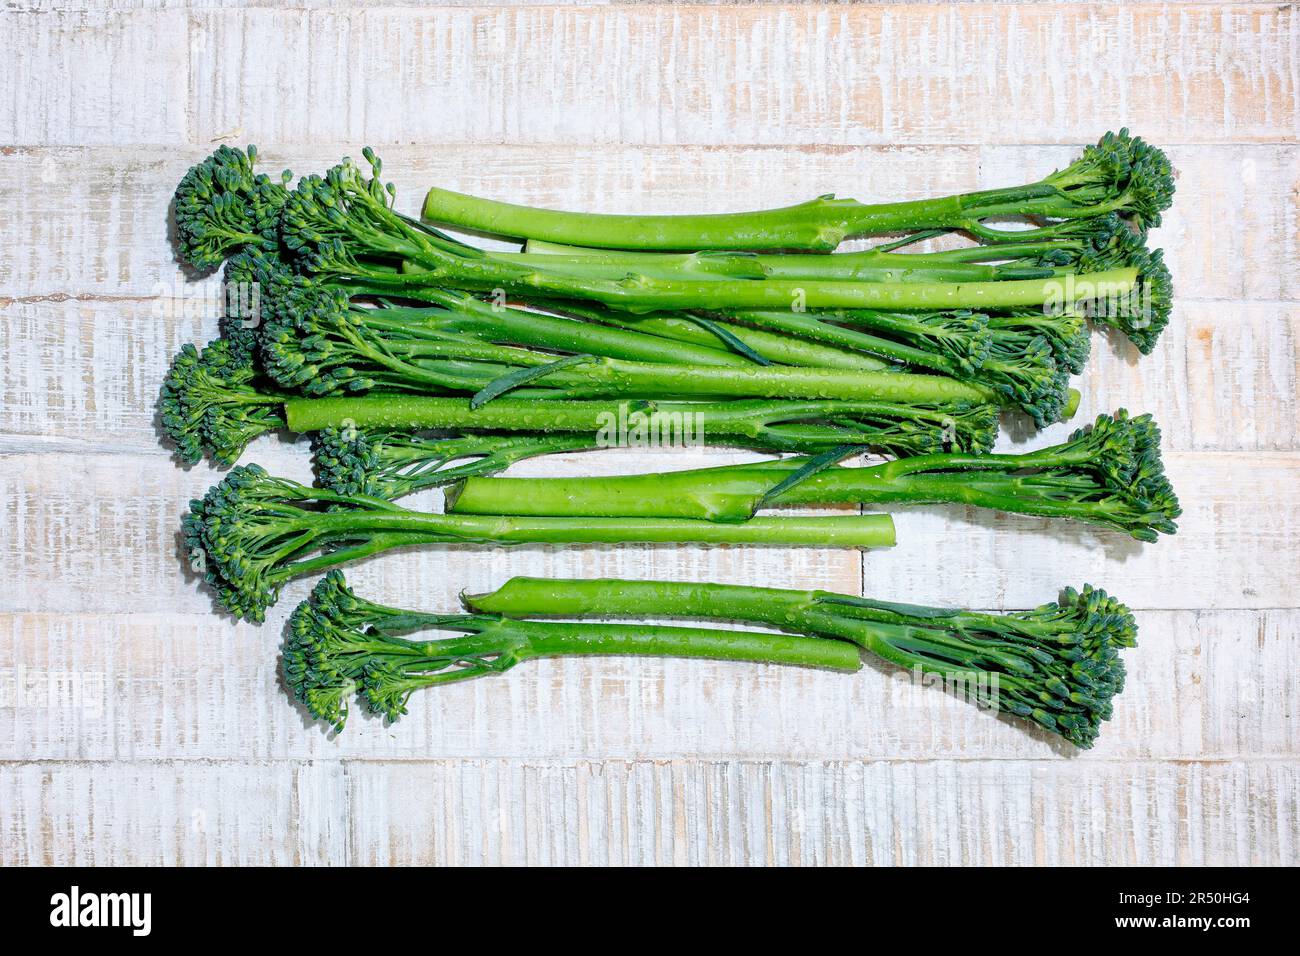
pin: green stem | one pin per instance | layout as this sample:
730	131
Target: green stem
812	327
564	639
857	531
750	419
816	225
867	266
519	327
647	294
625	378
734	493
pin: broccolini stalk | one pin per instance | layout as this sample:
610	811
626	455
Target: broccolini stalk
253	532
221	206
216	402
1121	174
1108	475
321	343
343	229
1057	665
392	464
866	266
341	645
1071	243
1022	369
296	300
318	341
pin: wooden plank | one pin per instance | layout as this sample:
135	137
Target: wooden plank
94	356
102	552
717	75
1228	553
730	812
81	78
158	814
1222	377
1202	685
87	371
650	812
1232	233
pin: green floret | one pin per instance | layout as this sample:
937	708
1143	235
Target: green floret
1122	173
340	644
311	341
1029	376
342	224
223	206
211	401
1057	665
235	528
1151	183
1064	330
1143	313
246	287
1114	468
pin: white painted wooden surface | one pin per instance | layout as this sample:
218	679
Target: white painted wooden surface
139	726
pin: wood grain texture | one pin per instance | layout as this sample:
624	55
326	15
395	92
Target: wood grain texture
789	76
104	553
77	284
1232	234
818	813
151	814
1203	685
137	725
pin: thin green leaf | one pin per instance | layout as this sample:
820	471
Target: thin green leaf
728	338
511	380
809	468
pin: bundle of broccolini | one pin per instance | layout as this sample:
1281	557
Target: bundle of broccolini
1109	474
353	299
416	359
1057	665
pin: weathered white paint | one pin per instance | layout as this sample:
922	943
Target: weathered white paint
139	726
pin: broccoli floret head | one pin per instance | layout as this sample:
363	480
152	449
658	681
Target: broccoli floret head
1150	189
340	644
1122	172
1124	455
1143	312
325	653
222	206
242	529
1078	670
314	341
246	282
1057	665
347	461
962	336
1065	330
335	221
1027	374
210	401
